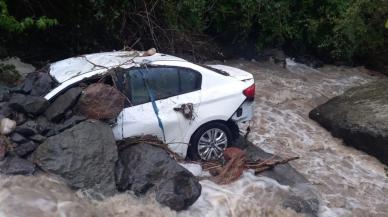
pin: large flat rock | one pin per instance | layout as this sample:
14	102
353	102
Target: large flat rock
360	117
84	156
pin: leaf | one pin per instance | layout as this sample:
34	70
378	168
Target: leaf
386	24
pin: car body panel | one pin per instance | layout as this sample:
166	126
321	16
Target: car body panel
218	99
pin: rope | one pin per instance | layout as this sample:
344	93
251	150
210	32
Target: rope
153	99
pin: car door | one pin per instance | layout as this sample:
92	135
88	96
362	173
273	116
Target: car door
171	88
179	112
138	117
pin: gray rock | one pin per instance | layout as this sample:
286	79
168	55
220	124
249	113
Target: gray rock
44	125
37	83
20	118
360	117
38	138
4	93
58	108
301	205
33	105
28	129
25	148
3	147
143	167
14	165
16	137
69	123
5	110
42	85
84	156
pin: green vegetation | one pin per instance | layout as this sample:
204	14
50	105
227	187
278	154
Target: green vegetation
11	24
348	31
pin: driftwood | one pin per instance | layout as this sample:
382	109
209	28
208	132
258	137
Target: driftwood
232	170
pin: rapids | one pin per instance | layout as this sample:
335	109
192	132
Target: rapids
349	182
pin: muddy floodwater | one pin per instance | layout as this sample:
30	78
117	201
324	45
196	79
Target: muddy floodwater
348	182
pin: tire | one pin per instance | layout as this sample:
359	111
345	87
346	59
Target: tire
204	132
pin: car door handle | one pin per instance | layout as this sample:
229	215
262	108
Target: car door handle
186	109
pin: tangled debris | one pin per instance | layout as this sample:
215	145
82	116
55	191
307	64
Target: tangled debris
187	110
236	163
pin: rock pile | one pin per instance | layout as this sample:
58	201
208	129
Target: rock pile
70	137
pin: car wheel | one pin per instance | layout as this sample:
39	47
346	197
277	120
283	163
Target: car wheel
209	142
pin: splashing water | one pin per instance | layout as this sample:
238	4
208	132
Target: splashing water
350	182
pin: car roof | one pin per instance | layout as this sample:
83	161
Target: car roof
72	67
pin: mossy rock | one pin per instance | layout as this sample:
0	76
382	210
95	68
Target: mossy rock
8	74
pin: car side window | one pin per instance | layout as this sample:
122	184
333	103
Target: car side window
163	82
189	80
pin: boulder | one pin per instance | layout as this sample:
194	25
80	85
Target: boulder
101	101
26	86
28	129
17	138
360	117
33	105
25	148
14	165
143	167
45	126
42	85
20	118
37	138
69	123
4	93
84	155
57	110
37	83
5	110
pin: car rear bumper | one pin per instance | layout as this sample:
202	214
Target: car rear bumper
244	113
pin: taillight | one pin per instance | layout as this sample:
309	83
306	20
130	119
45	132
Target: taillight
250	92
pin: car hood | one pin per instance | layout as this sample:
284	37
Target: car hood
234	72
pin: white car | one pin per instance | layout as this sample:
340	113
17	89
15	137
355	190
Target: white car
192	108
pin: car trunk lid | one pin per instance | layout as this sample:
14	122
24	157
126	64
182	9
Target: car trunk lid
234	72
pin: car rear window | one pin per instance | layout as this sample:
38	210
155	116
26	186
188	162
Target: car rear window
163	82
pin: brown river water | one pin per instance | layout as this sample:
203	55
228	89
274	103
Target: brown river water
349	182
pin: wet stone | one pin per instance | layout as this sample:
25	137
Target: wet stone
42	85
28	129
84	155
62	104
144	167
25	148
14	165
32	105
300	205
3	148
5	110
38	138
16	137
4	93
20	118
